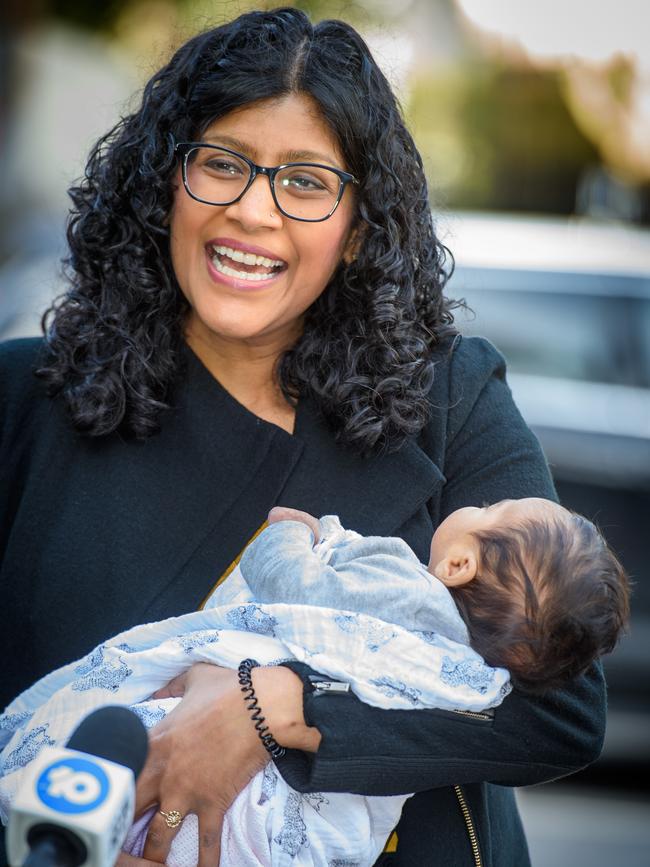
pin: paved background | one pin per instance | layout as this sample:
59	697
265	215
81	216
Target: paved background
578	826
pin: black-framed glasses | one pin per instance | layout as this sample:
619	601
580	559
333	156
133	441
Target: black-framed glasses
216	175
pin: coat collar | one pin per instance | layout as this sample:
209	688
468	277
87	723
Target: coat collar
239	466
225	468
374	496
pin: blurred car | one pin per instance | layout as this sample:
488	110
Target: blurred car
568	304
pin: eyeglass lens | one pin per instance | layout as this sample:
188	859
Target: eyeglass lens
304	191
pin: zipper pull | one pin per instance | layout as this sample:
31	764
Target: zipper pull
325	687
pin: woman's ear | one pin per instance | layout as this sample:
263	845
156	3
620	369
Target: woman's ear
458	567
353	244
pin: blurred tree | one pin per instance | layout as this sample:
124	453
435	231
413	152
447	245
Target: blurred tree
500	137
610	103
96	16
349	10
102	15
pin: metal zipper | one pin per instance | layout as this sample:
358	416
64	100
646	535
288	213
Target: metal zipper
476	714
323	687
471	830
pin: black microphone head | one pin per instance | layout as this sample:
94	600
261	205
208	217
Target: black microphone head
113	733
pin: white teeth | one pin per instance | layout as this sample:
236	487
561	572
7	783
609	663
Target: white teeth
240	275
248	258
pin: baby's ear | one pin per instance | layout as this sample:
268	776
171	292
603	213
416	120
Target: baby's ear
458	567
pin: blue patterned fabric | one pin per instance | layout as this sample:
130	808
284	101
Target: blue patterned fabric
197	639
108	676
149	716
292	836
269	784
252	618
391	688
467	672
27	749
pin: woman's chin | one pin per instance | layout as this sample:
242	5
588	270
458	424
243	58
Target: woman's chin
239	328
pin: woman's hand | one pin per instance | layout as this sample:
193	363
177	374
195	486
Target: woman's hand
125	860
206	750
200	757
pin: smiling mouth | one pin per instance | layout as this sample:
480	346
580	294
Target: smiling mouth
244	266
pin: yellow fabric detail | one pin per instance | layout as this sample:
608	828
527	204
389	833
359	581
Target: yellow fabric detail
233	565
391	845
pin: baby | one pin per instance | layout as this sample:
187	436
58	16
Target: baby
538	590
537	587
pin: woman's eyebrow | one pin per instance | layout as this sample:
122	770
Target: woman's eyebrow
286	157
230	142
294	156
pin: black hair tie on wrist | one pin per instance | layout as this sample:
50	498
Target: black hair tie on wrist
246	683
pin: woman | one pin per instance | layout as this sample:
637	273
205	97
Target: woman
231	342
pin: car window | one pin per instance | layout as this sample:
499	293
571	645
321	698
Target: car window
572	335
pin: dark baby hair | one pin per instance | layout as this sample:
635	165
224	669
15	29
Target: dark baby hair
549	598
365	355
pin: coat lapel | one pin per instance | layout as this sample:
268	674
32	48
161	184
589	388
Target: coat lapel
236	466
374	496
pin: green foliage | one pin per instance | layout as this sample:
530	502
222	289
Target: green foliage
103	14
91	15
500	137
348	10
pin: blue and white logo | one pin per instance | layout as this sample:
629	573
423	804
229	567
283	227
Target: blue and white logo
72	785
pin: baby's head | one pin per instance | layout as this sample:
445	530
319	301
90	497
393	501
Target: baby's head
541	593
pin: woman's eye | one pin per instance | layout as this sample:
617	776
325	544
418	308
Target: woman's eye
223	167
303	183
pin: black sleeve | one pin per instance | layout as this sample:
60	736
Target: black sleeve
490	454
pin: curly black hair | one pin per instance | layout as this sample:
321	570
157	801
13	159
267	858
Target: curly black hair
365	355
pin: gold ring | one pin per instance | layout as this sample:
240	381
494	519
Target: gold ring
172	818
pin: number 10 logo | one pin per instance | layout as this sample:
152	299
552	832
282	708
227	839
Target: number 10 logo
72	785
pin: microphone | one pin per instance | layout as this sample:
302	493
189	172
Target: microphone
76	803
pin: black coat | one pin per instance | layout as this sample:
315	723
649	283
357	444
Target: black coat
100	534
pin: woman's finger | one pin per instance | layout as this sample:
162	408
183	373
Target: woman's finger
146	791
210	840
148	786
164	826
174	689
125	860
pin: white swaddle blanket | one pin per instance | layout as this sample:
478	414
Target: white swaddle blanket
269	823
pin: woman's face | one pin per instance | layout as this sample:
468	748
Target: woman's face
267	311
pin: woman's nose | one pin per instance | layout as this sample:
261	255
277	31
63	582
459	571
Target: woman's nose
256	208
